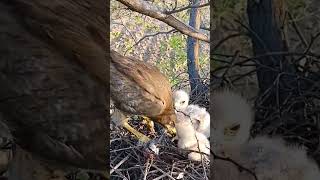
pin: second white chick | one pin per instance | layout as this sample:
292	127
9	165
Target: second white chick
190	139
200	119
269	159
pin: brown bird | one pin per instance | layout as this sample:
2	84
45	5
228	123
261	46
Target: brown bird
138	88
53	72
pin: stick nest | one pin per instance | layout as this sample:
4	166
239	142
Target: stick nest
129	158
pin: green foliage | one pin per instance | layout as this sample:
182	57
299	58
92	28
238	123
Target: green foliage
114	34
128	43
171	56
175	67
138	20
225	7
177	63
229	3
297	8
213	63
203	60
177	42
151	27
114	5
145	23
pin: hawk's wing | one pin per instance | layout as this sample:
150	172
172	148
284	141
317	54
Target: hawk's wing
138	87
77	29
54	107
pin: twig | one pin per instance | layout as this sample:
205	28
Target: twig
150	35
235	163
168	175
187	7
215	47
295	26
148	165
153	11
160	177
119	164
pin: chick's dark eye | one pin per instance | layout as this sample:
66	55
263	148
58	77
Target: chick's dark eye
235	128
183	102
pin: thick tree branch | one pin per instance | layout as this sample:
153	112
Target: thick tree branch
145	8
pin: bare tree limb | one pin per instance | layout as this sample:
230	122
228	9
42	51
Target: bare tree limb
298	31
151	35
218	44
188	7
150	10
155	34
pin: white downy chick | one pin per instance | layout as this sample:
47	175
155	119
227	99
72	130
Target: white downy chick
232	117
269	158
190	139
181	100
200	119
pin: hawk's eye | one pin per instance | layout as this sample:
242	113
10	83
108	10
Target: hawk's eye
235	128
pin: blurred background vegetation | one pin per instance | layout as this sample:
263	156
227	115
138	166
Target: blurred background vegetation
301	28
304	13
153	41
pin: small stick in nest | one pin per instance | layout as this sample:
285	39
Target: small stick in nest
241	168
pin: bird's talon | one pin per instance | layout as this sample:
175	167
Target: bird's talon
143	138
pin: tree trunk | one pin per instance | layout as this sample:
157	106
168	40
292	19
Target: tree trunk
198	89
266	20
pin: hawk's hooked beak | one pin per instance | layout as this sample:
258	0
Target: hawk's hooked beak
171	130
168	122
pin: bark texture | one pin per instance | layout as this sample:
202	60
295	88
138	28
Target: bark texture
145	8
198	89
267	31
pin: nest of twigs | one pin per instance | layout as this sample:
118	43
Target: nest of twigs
130	159
296	117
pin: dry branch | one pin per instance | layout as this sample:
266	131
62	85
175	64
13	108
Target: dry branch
235	163
187	7
147	9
